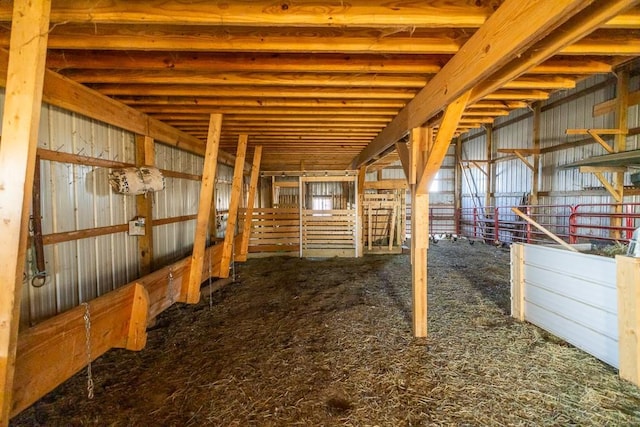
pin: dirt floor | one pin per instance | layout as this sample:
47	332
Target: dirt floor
328	342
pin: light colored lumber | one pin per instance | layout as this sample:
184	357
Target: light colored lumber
448	126
597	131
610	105
56	349
20	125
145	156
628	285
594	169
524	160
419	246
507	33
543	229
248	213
517	281
191	294
234	203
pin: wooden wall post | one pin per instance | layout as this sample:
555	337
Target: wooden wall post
620	142
234	203
491	171
517	281
628	284
457	190
145	156
246	230
535	179
190	292
20	123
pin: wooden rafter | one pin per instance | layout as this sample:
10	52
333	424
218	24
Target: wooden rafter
533	20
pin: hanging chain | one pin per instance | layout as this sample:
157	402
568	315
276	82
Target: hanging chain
170	286
87	328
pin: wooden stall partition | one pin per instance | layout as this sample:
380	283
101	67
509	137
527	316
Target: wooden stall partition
628	285
274	231
383	225
328	233
56	349
52	351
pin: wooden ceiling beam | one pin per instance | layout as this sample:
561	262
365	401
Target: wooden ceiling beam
266	13
144	101
246	78
364	13
508	33
281	62
407	40
254	91
269	111
243	61
252	39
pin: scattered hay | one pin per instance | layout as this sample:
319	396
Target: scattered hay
300	342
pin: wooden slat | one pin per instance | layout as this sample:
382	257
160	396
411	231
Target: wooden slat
191	294
20	125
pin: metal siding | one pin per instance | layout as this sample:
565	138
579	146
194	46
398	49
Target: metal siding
573	296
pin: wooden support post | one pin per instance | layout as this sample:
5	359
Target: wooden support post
362	174
403	153
419	246
145	156
517	281
490	173
628	284
190	292
457	190
137	334
420	141
234	203
535	179
620	143
246	229
20	123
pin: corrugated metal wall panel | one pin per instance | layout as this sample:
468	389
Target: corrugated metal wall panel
180	197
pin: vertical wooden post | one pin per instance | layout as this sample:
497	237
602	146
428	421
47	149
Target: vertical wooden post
620	142
20	123
145	156
457	190
535	179
191	292
420	141
419	246
491	172
246	231
517	281
362	174
628	284
234	203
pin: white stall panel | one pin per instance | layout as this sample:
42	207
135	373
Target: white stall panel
573	295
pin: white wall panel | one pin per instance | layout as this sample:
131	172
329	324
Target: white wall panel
574	296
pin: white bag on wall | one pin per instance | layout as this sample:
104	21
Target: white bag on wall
135	181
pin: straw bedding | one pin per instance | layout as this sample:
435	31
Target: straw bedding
328	342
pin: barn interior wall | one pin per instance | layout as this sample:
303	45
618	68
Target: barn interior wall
78	197
570	109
